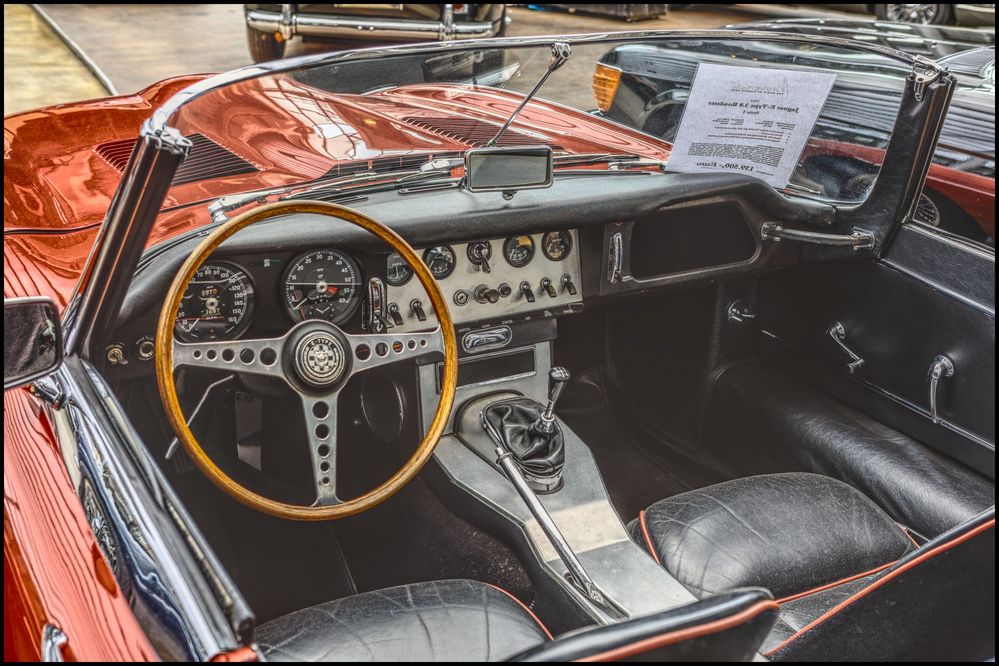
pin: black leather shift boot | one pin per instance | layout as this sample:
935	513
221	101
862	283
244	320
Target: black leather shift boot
539	455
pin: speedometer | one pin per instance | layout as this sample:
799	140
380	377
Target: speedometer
217	304
324	284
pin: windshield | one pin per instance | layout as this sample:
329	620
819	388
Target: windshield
810	117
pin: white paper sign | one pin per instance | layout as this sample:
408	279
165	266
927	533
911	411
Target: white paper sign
750	120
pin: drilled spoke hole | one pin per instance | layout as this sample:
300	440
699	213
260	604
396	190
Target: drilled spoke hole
247	356
412	344
323	451
268	356
320	410
363	352
211	354
381	349
228	355
322	431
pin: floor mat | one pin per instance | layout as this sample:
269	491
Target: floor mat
412	537
636	470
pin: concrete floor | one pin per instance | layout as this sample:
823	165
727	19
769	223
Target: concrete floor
38	68
136	45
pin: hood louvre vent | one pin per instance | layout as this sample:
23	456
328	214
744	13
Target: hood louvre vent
206	160
477	133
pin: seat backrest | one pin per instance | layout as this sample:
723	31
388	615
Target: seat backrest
725	627
936	603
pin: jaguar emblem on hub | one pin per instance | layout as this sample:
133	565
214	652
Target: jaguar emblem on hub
320	359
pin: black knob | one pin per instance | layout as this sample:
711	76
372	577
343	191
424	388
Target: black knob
547	286
484	294
417	307
393	310
479	254
568	285
525	289
504	290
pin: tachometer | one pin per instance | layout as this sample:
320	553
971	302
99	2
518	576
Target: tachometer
217	304
324	284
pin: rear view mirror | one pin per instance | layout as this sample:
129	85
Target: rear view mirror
508	169
32	340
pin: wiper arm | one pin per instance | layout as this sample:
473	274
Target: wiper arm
223	205
560	54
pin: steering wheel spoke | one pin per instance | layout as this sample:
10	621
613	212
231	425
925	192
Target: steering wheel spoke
320	427
377	349
253	357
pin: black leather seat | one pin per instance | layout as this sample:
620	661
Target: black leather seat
850	582
784	532
453	620
462	620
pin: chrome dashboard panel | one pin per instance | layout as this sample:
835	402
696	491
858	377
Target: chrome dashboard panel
460	287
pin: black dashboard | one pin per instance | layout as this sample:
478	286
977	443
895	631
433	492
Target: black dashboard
542	254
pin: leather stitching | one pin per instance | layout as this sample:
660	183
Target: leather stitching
648	539
891	575
527	609
834	583
669	638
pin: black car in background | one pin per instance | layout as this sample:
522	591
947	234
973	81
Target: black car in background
646	87
269	27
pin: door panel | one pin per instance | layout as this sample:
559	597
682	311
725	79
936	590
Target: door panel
930	296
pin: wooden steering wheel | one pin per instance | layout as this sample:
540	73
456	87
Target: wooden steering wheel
315	359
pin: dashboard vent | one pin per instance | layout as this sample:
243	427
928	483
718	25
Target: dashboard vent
206	159
477	133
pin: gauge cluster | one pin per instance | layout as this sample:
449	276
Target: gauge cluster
525	276
265	294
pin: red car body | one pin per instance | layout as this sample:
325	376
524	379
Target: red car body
57	189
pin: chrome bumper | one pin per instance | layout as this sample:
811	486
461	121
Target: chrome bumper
288	24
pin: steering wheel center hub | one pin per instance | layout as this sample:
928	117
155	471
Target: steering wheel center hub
320	359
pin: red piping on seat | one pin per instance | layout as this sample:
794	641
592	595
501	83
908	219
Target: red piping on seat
529	611
648	540
834	584
689	633
881	581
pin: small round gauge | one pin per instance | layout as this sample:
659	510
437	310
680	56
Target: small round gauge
323	284
397	271
518	250
441	260
556	245
217	304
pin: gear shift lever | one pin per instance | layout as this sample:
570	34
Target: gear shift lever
530	434
558	377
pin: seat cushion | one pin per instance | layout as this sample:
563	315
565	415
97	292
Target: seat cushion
454	620
785	532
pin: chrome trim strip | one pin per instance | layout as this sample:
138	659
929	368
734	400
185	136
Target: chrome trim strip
53	643
319	25
166	570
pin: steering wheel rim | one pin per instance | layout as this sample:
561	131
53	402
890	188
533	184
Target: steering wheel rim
165	358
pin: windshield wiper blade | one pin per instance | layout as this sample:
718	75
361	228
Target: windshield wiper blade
334	185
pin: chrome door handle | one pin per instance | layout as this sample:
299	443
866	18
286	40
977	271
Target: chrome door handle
940	368
838	333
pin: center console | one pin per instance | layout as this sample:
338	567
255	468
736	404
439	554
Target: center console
567	520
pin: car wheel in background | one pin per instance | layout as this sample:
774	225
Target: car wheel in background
922	14
264	46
